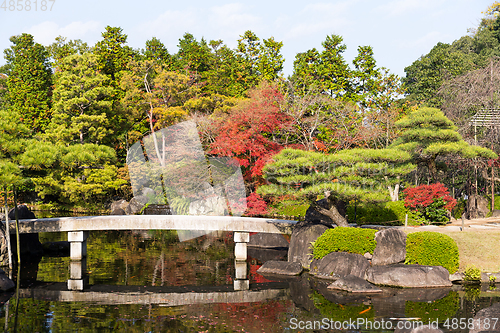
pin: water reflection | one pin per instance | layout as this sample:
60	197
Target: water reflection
138	284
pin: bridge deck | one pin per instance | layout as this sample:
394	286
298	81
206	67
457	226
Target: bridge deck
165	222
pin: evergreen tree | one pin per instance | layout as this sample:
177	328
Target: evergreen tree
427	134
112	53
356	174
82	102
62	48
29	81
13	136
326	69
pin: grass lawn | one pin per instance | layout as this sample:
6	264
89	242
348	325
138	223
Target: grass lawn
478	247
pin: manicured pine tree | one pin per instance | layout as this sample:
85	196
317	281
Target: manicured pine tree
356	174
427	134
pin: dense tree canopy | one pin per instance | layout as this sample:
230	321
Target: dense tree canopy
29	81
71	110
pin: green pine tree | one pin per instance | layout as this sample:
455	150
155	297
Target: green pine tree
361	174
427	134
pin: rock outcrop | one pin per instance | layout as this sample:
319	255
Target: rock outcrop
391	247
339	264
30	244
267	241
280	268
303	235
408	276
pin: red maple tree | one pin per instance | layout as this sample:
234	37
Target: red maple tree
250	133
422	196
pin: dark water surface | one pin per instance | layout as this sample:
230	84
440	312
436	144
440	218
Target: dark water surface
143	284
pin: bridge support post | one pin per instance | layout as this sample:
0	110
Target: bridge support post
78	244
78	278
78	265
241	281
240	247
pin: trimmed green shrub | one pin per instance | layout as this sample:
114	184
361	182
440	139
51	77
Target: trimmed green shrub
385	213
345	239
472	274
432	248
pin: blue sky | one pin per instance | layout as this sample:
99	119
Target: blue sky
400	31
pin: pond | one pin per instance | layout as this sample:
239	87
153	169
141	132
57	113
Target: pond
140	283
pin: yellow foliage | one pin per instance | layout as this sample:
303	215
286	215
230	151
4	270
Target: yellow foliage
493	9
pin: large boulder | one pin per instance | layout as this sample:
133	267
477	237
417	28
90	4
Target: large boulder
339	264
6	284
391	247
354	284
477	207
136	204
29	243
303	235
280	268
118	207
486	316
267	241
408	276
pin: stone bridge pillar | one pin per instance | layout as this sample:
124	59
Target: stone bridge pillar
78	254
241	281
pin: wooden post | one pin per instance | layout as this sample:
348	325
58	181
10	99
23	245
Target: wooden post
17	229
493	187
406	221
7	231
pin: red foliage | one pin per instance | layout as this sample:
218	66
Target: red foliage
256	206
249	132
423	195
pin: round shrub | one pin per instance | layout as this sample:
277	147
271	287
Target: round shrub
432	248
345	239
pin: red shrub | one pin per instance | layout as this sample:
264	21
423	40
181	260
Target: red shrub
256	205
422	196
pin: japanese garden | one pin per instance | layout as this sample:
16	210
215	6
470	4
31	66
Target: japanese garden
364	168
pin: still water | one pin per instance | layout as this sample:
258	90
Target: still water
139	283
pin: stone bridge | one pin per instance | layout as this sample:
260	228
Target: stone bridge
78	229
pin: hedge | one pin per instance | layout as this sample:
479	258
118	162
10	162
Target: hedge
345	239
432	248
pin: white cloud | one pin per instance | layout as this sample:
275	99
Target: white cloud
403	7
232	16
425	42
46	32
318	18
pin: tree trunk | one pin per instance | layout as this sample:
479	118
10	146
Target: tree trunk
393	193
332	211
431	164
